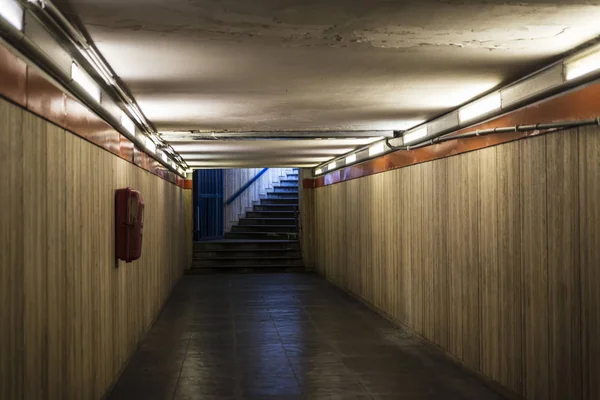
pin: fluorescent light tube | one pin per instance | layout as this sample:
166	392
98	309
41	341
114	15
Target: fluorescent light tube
164	157
377	148
583	64
84	80
480	107
412	137
127	123
150	145
319	171
331	166
350	159
12	12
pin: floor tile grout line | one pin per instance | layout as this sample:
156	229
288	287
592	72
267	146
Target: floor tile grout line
182	363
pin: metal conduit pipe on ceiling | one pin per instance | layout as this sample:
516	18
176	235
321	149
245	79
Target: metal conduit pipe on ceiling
445	138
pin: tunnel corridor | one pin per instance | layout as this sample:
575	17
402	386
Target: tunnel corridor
299	199
288	337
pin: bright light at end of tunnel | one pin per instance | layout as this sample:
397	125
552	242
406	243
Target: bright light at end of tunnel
331	166
350	159
480	107
583	64
377	148
12	12
84	80
412	137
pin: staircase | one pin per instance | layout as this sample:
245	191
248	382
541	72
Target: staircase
266	238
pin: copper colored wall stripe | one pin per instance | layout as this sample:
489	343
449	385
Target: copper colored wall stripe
13	77
582	103
187	184
29	88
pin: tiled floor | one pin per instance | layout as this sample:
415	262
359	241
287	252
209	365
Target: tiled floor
283	336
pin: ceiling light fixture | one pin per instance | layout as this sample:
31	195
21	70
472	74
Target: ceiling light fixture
150	145
480	107
319	171
377	148
127	123
84	80
412	137
583	64
12	12
331	166
351	159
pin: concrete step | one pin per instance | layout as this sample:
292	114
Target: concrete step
245	270
262	235
253	245
271	214
292	176
275	207
282	195
280	201
243	253
288	182
247	261
285	189
264	228
268	221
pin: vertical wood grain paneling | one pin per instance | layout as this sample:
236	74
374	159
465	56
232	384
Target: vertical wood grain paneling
509	262
534	267
493	255
428	242
12	254
438	226
35	267
488	263
589	250
564	288
188	213
69	317
463	257
55	182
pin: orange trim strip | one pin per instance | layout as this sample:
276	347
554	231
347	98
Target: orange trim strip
26	86
578	104
188	184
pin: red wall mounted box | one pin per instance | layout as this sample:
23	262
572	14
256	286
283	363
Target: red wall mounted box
129	224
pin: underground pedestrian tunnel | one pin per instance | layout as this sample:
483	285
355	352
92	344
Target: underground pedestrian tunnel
299	199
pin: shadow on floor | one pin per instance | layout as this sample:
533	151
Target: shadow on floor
283	336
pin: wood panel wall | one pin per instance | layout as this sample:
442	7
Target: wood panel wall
70	314
188	215
492	255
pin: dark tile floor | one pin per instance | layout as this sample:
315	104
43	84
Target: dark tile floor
283	336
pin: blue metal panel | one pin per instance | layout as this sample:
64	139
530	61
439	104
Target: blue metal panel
208	204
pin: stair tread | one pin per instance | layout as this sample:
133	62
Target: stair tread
250	258
247	241
265	226
270	219
247	266
246	250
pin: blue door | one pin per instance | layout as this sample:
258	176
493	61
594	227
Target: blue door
208	204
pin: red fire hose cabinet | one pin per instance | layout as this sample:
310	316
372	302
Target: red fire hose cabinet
129	224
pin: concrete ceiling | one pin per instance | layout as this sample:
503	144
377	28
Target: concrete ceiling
279	65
